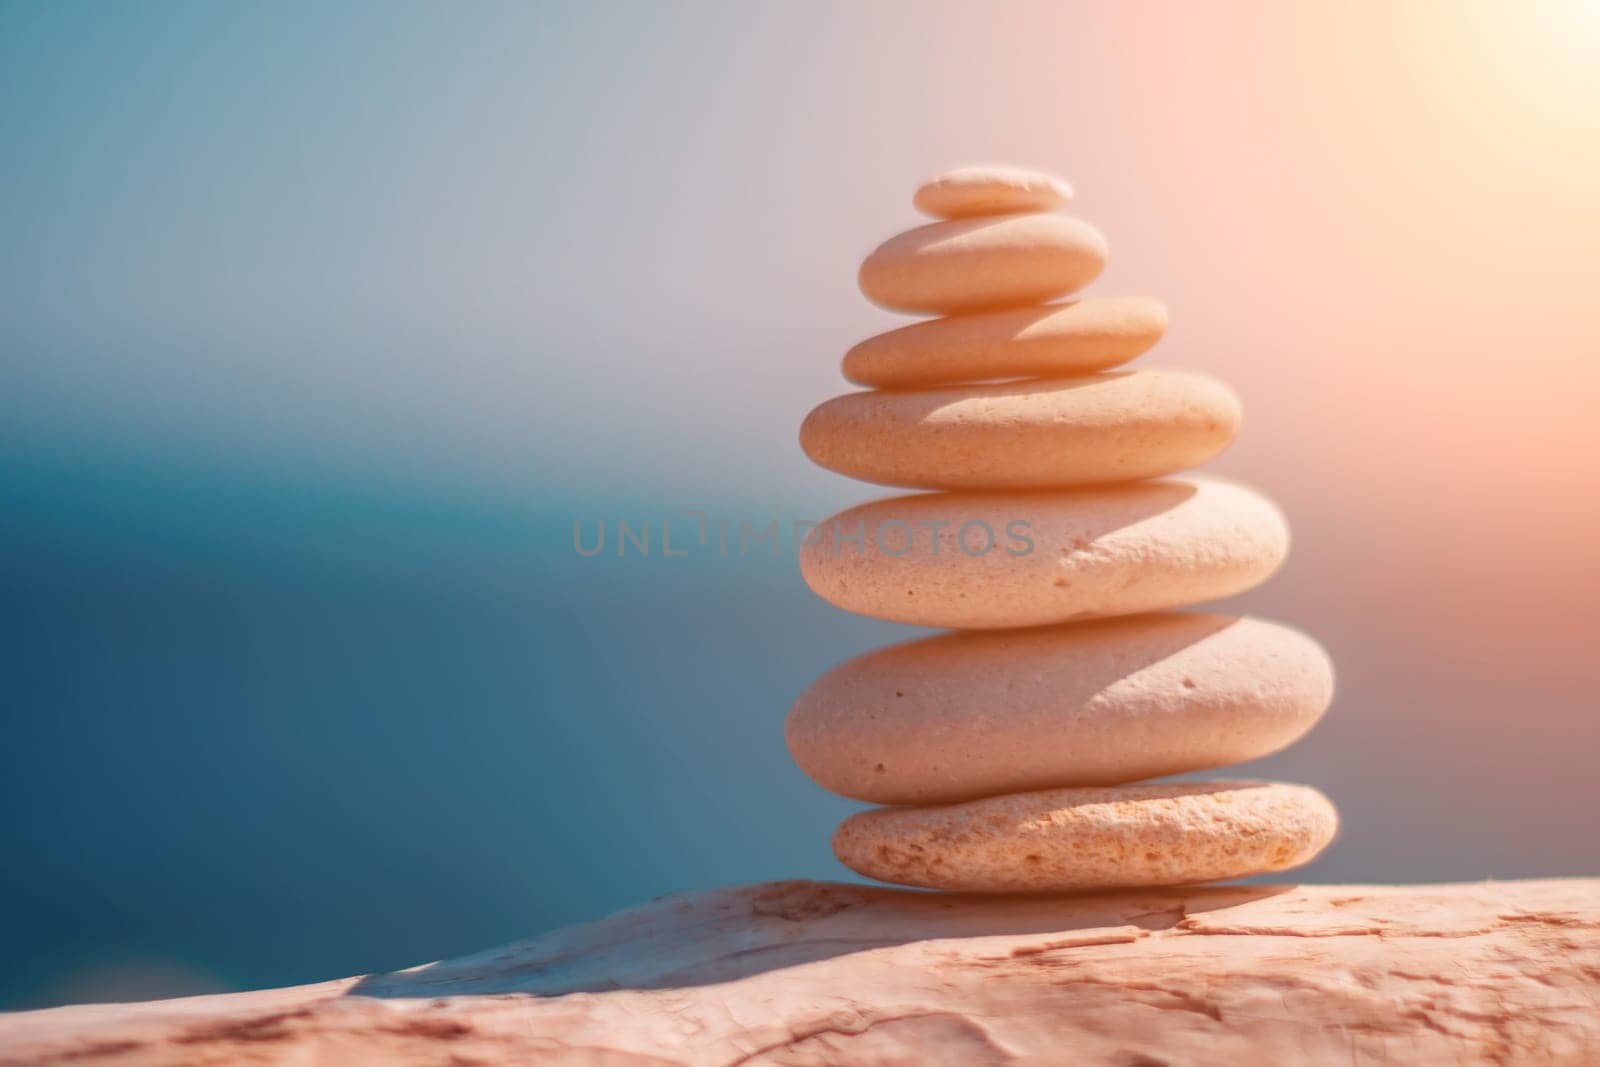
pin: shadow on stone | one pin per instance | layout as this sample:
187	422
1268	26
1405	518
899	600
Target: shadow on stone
723	935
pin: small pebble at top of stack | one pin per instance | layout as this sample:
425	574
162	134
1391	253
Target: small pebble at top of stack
990	190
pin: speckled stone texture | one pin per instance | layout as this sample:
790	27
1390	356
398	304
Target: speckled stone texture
967	715
1170	833
1055	556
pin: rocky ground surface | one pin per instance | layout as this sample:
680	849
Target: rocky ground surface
816	973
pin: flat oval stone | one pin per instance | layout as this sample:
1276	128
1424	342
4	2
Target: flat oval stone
984	263
970	715
977	561
1069	839
990	190
1036	434
1052	341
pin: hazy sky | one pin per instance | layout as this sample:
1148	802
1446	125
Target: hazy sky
526	241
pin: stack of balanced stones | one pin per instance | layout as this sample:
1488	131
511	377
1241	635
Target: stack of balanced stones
1012	755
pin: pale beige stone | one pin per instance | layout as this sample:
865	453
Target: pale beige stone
968	715
983	263
813	974
1049	341
1055	557
1056	840
1036	434
990	190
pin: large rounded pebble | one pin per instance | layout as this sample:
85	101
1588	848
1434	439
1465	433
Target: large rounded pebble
990	190
996	560
1092	703
1052	341
977	264
1038	434
1069	839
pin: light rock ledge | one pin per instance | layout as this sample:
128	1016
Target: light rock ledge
815	973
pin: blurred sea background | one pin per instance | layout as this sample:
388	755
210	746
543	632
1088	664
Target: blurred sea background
321	324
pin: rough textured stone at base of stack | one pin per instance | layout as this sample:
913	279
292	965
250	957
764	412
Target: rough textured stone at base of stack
1057	840
808	974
